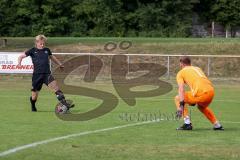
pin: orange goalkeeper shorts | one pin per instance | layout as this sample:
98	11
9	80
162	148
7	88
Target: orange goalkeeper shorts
202	100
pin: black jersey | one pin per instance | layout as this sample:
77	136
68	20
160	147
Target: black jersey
40	59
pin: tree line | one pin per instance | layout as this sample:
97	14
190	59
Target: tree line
147	18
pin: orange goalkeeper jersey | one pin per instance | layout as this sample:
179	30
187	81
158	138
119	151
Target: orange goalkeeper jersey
195	79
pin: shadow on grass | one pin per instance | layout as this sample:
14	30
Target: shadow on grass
226	129
52	111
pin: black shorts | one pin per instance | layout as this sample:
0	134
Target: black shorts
38	79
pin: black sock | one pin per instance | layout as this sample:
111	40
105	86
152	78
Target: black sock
61	99
33	102
60	96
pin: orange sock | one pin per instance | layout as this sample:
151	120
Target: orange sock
209	114
177	101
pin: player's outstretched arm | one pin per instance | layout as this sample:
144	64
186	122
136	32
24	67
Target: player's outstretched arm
21	57
55	60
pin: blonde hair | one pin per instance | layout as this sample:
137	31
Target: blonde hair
40	37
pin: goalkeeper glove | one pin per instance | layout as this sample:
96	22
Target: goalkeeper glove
179	112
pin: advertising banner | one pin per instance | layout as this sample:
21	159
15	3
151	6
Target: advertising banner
9	63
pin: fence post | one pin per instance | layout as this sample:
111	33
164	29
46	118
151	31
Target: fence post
4	42
168	67
208	66
128	61
89	66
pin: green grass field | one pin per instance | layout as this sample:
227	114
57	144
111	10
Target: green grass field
150	141
25	135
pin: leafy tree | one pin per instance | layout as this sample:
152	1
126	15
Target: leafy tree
227	12
166	18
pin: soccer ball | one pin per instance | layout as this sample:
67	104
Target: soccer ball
61	109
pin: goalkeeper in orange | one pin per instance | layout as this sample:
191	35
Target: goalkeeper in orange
201	94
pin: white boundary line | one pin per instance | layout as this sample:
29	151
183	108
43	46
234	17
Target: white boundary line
35	144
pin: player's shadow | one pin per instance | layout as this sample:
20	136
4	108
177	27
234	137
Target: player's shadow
45	111
226	129
202	129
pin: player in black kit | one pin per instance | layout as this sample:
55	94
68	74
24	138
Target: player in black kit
42	74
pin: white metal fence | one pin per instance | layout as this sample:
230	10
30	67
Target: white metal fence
215	66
